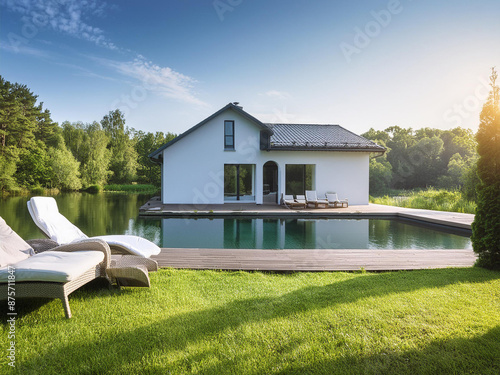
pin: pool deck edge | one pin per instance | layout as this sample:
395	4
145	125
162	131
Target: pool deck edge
451	219
319	260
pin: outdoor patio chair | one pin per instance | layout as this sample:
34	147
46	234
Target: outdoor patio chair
51	274
46	215
312	198
301	199
334	201
289	202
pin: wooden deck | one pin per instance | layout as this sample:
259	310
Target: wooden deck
313	260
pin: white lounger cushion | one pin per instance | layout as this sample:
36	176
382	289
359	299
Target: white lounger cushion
332	197
12	247
45	213
46	216
54	266
134	244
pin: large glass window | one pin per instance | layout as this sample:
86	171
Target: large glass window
239	182
299	178
228	135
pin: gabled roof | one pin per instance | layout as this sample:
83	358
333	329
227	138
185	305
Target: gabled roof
318	137
230	106
296	137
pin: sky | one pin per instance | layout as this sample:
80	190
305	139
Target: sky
169	64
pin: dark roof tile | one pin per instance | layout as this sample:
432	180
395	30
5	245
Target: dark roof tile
316	136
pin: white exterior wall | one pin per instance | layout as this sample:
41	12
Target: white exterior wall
193	167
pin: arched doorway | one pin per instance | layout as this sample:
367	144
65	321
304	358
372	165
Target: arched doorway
270	183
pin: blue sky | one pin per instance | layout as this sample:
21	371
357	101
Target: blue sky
169	64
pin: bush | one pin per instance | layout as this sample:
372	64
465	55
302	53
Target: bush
37	190
430	199
486	227
133	188
93	189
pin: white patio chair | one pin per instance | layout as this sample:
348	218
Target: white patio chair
334	201
312	198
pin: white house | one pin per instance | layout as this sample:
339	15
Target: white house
233	157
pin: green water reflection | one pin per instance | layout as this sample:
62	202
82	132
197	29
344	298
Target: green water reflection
94	214
231	233
109	213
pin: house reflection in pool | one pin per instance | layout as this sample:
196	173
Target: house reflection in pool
296	233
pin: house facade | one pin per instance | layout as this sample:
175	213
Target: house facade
233	157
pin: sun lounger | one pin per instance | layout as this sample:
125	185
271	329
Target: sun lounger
289	202
301	199
334	201
52	274
47	217
312	198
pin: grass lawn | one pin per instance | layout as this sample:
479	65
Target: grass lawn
429	199
207	322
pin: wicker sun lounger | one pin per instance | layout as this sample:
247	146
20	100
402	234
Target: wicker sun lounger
54	225
56	272
52	274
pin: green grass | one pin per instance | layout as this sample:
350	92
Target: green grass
430	199
133	188
208	322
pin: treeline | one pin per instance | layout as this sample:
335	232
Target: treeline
424	158
35	152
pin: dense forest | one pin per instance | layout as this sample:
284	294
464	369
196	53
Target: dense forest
36	152
424	158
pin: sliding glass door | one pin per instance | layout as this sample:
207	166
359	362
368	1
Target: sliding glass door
299	178
239	182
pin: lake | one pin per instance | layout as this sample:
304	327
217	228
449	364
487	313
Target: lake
111	213
94	214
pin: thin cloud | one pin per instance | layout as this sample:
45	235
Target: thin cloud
161	80
24	50
73	17
68	17
278	94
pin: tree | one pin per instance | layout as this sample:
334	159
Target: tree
424	159
65	169
123	162
25	131
145	143
96	157
399	143
32	167
7	170
486	225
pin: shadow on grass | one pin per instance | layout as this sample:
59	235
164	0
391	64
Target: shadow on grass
119	350
478	355
96	288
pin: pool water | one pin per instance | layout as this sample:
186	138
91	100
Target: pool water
274	233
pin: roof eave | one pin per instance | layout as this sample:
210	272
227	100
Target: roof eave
154	155
347	149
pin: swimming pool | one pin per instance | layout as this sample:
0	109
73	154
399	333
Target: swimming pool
306	233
